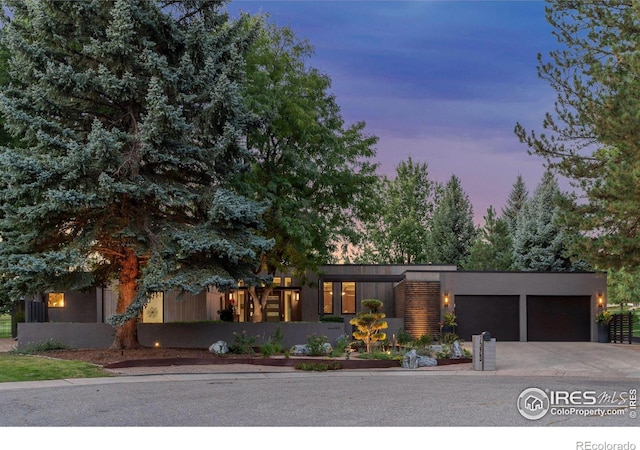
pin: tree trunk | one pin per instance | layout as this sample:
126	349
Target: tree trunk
127	334
259	301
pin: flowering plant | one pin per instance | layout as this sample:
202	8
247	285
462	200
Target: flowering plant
450	319
603	317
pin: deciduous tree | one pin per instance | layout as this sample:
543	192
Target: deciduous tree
313	170
398	230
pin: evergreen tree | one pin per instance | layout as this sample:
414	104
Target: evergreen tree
312	169
370	323
540	242
398	231
492	248
518	197
593	135
132	124
452	230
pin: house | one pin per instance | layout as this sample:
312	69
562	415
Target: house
512	306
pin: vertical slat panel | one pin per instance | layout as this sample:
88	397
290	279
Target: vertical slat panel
422	307
185	308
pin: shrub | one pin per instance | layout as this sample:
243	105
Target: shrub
449	338
274	345
242	344
316	343
388	355
319	367
341	345
424	341
331	319
41	347
404	337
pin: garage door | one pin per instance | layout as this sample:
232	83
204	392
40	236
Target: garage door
499	315
558	318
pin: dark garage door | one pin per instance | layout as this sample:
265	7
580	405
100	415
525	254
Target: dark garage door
558	318
499	315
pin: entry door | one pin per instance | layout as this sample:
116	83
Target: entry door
272	309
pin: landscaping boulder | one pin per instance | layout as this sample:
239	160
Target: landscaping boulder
299	350
304	350
425	361
456	351
412	360
219	348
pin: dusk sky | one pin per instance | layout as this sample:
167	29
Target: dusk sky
442	82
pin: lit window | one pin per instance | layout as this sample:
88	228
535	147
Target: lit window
327	298
287	282
55	300
277	281
348	297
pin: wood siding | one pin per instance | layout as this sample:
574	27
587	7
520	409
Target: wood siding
419	304
185	308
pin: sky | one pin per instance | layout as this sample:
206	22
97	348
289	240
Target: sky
441	82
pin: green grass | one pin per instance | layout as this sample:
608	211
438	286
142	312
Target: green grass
5	326
16	367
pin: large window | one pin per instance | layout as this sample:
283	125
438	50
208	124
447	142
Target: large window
55	300
327	298
348	292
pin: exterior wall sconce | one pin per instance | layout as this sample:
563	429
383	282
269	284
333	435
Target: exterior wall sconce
446	299
600	300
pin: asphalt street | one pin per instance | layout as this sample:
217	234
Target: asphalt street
343	399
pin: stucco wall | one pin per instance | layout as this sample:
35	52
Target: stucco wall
525	284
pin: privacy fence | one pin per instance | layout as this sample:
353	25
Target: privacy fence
621	328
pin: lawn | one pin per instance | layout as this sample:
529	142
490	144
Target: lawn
5	326
15	367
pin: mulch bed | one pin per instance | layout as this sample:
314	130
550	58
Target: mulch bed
354	363
163	357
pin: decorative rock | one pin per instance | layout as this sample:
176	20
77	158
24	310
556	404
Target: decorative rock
456	351
410	360
219	348
425	361
299	350
304	350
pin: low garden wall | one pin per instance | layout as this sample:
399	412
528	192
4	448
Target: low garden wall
183	335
